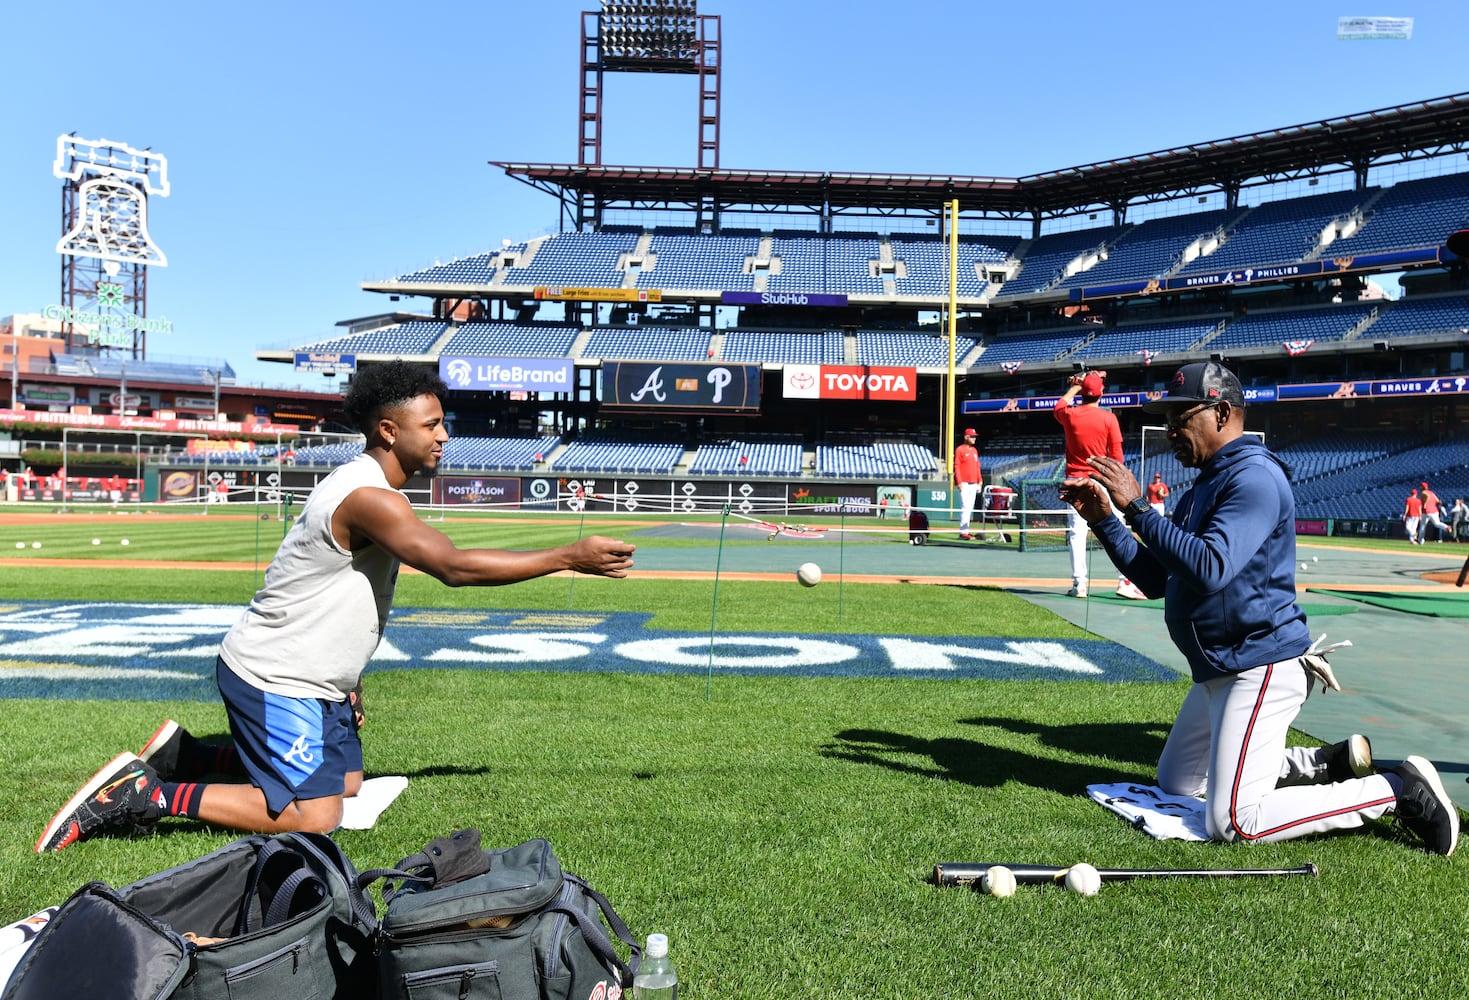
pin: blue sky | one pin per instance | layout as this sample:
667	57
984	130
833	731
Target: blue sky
314	146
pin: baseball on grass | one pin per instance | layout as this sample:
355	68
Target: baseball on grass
998	880
96	541
20	545
1083	878
35	545
809	574
123	542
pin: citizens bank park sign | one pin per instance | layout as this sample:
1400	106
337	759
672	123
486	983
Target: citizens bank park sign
850	382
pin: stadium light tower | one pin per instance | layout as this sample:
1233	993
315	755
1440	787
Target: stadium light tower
105	246
649	36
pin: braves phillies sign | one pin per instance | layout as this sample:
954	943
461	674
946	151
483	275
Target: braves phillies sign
680	386
850	382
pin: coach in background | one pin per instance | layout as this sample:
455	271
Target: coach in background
289	666
1225	567
967	479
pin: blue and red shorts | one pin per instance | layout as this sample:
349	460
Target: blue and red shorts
292	748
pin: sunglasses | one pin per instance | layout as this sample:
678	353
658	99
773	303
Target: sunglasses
1176	421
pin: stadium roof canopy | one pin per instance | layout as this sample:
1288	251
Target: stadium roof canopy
1353	143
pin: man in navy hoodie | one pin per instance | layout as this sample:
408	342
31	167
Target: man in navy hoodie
1224	564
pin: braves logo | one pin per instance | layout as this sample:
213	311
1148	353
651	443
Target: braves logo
300	750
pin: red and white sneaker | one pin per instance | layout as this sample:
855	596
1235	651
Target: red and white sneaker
124	796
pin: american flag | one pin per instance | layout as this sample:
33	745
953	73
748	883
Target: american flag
1147	356
1297	347
1011	367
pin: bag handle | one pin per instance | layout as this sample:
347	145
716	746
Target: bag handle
284	903
595	937
362	907
365	879
278	907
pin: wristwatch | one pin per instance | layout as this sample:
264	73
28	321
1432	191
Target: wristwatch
1134	507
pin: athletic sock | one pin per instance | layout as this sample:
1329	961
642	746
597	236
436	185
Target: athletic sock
1396	782
199	758
183	797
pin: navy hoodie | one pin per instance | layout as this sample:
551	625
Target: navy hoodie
1225	563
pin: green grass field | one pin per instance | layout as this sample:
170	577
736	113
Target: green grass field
779	829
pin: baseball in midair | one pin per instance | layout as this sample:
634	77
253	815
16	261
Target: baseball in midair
998	880
1083	878
809	574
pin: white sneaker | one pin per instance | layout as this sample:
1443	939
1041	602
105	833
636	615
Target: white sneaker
1129	590
1077	590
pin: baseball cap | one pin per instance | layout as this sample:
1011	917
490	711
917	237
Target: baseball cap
1200	382
970	433
1157	475
1423	485
1093	385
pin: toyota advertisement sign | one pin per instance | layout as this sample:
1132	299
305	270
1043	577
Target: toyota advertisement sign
874	382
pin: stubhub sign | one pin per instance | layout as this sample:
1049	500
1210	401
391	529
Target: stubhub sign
506	374
850	382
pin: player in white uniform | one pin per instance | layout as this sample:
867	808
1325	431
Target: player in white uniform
1225	567
287	668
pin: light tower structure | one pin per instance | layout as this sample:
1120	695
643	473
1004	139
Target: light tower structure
646	36
105	247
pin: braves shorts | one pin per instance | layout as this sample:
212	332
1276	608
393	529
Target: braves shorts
292	748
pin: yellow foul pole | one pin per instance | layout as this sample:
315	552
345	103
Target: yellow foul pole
953	385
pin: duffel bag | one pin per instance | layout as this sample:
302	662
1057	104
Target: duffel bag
463	923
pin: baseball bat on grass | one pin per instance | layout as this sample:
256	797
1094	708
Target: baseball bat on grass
969	873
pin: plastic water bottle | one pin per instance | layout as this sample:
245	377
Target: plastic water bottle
656	979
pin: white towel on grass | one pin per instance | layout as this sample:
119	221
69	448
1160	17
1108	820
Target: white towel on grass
362	810
1153	811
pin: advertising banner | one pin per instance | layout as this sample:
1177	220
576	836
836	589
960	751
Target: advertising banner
317	361
1253	394
476	491
562	294
873	382
681	496
782	299
145	424
34	393
1324	267
680	387
507	374
833	498
1357	29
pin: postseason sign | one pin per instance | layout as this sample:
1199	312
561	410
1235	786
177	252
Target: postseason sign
680	386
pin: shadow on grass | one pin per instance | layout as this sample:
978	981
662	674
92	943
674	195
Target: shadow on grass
443	770
986	765
1130	742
